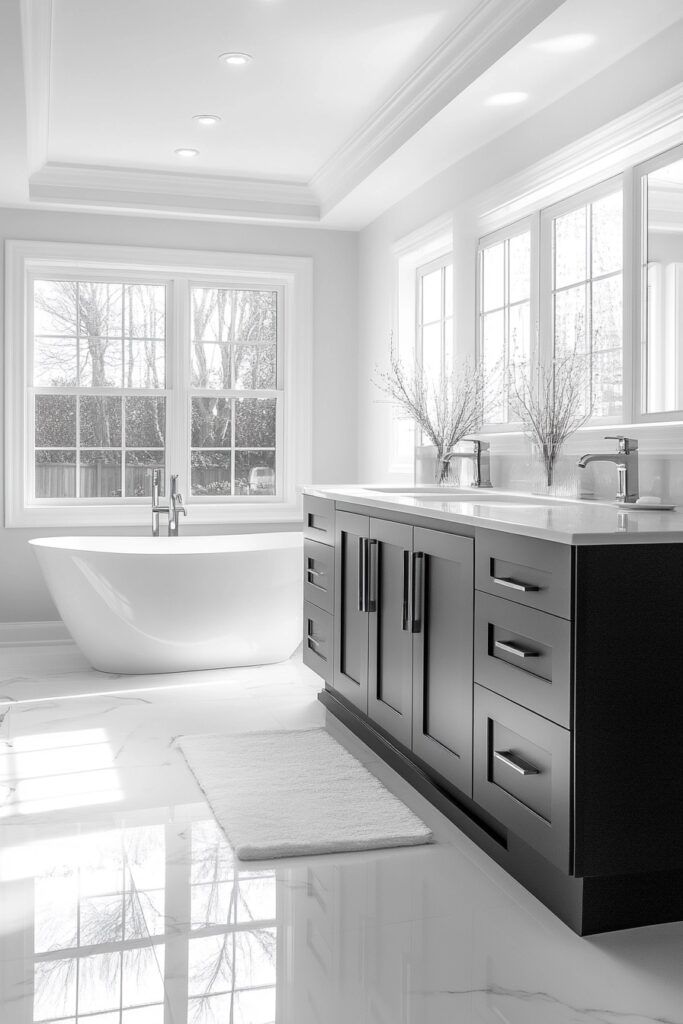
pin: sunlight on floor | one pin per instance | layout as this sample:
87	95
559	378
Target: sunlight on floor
54	771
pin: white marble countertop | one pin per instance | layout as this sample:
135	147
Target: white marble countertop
569	521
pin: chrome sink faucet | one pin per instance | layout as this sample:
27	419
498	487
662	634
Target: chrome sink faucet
480	458
626	460
172	510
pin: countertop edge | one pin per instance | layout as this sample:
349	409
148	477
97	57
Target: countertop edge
579	536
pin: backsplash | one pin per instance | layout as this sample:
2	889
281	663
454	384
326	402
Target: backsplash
660	462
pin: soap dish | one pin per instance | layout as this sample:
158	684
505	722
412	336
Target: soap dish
633	507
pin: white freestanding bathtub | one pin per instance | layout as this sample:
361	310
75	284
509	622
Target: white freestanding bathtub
173	604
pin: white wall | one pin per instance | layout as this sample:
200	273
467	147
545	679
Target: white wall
23	596
642	75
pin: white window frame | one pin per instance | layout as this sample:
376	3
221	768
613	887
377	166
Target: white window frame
532	225
429	243
640	315
440	263
290	276
546	325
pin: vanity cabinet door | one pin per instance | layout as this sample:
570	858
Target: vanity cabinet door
350	676
442	621
390	668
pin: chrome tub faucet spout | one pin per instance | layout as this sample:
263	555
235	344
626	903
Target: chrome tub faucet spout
172	510
176	507
626	461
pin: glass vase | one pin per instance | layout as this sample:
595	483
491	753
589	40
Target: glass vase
431	470
553	473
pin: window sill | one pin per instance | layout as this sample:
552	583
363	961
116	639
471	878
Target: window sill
68	517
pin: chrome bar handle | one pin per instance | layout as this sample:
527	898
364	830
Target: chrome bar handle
519	652
405	621
505	581
371	557
315	572
417	592
361	574
510	760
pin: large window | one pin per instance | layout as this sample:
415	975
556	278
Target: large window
435	318
585	249
127	366
98	387
505	289
568	279
235	391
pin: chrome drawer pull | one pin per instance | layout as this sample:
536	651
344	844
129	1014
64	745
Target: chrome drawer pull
505	581
316	572
519	652
315	640
507	758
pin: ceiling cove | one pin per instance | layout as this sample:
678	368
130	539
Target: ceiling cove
486	32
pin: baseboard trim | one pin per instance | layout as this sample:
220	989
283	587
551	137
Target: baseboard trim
33	634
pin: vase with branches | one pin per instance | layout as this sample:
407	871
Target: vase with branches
444	410
552	403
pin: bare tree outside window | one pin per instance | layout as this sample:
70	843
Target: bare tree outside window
587	296
234	360
100	396
89	336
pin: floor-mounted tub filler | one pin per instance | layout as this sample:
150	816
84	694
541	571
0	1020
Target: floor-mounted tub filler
139	604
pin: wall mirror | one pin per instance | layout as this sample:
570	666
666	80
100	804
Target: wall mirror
662	284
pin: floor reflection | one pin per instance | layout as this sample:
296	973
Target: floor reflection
105	907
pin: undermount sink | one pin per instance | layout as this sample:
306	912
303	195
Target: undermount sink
479	496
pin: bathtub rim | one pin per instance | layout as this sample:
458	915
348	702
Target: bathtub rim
191	546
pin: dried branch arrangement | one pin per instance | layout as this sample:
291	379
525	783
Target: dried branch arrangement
552	403
446	410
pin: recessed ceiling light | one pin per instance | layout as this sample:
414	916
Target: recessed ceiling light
566	44
235	58
206	120
187	152
507	99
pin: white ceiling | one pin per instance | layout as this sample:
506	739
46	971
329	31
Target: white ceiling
128	76
345	107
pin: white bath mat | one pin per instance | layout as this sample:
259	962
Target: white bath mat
293	793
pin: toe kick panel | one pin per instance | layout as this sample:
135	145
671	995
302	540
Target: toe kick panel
522	773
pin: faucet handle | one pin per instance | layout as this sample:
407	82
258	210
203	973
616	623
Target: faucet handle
627	445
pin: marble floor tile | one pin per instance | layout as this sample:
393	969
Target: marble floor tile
121	903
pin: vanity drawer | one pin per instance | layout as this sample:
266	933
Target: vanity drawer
319	519
535	573
524	655
318	639
319	574
522	774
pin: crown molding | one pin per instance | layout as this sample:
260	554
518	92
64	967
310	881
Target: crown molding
632	138
477	42
169	192
36	32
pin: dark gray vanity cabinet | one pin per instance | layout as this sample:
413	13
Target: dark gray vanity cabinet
390	669
403	636
530	689
318	637
351	625
442	579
